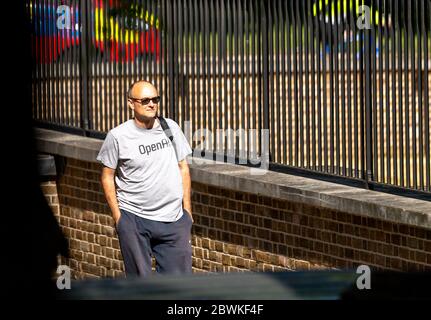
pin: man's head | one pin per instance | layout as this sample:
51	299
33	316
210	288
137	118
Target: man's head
143	99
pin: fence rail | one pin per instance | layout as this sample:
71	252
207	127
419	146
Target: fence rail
339	101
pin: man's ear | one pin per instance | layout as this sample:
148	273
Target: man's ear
130	104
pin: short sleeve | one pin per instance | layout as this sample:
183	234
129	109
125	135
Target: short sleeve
181	145
108	154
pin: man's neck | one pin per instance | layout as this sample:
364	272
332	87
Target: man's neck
147	123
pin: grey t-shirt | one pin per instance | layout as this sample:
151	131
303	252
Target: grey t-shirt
148	179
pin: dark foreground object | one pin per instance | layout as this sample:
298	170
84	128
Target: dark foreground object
308	285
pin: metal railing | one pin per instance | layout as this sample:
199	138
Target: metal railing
340	100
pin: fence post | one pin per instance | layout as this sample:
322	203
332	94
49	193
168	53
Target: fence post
84	8
170	57
265	74
368	125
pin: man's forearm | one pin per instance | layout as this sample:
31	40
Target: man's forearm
185	173
111	197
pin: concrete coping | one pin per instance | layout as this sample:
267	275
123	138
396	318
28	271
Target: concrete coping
283	186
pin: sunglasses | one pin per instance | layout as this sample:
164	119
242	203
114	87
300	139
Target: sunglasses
146	101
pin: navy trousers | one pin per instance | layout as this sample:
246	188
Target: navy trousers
169	242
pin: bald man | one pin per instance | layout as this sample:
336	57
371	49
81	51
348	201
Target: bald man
146	181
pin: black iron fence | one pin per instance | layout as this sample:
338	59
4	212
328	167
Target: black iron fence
342	86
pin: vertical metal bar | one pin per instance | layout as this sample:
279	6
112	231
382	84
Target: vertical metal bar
118	38
426	32
224	42
419	19
350	52
210	72
99	76
343	17
43	59
378	174
320	52
59	71
192	64
84	66
154	41
105	32
331	93
296	85
388	176
58	63
69	53
265	69
123	83
187	62
247	80
283	119
307	83
147	38
203	31
91	54
117	87
401	35
358	150
127	56
236	85
45	62
290	23
408	39
109	86
180	61
299	117
368	125
412	19
198	37
207	72
271	90
254	96
325	89
140	46
161	51
275	80
260	62
215	60
170	58
337	93
395	71
220	61
147	46
76	72
38	57
34	61
51	63
229	53
242	78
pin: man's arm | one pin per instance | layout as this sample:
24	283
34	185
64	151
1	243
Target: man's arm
187	186
108	183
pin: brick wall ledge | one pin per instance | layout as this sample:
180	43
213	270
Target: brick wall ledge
271	184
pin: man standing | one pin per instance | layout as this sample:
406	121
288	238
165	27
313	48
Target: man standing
146	181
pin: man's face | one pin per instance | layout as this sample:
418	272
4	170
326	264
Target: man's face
143	101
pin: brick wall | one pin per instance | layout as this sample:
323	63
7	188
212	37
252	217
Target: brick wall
254	232
236	231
